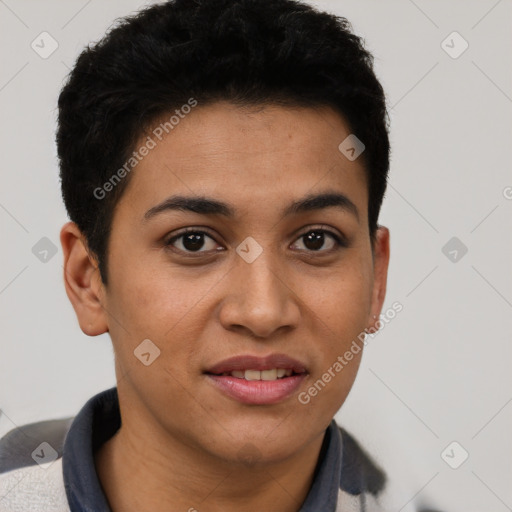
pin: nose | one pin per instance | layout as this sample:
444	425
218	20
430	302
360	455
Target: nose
260	299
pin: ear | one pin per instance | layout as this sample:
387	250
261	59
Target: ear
82	280
380	274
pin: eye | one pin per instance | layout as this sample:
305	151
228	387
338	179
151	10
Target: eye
192	241
315	239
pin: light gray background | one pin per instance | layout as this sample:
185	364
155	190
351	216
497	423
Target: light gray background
439	372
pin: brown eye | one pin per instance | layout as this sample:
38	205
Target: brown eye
192	241
315	240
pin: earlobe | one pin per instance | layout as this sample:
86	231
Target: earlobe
380	275
82	281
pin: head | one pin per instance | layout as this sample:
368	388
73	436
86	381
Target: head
224	119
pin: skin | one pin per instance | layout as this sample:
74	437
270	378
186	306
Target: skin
183	444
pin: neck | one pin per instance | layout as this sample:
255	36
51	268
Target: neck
153	472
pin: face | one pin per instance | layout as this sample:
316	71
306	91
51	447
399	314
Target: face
268	278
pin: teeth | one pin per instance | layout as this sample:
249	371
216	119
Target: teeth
272	374
252	375
269	374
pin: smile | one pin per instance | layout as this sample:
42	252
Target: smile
256	380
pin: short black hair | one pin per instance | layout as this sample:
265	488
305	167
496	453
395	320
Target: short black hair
249	52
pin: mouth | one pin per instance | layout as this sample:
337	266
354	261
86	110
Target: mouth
257	381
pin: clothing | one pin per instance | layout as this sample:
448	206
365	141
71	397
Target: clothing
59	475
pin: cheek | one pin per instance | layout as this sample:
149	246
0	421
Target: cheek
165	307
342	320
343	302
164	311
153	299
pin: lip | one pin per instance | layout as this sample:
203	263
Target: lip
257	392
249	362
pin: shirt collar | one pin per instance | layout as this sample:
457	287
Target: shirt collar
99	420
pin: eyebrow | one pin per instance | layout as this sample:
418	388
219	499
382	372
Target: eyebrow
209	206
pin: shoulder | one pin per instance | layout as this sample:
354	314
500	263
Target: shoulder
18	448
31	467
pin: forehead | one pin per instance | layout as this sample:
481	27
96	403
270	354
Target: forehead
247	156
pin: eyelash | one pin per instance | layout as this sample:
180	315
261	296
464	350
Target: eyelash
339	241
